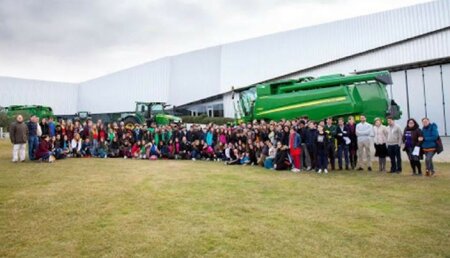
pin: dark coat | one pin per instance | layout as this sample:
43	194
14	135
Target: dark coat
341	133
321	141
18	133
45	129
282	159
415	134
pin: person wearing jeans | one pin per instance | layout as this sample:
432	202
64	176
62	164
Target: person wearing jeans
33	140
393	142
343	142
430	135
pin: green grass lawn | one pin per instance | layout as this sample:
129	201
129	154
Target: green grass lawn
123	208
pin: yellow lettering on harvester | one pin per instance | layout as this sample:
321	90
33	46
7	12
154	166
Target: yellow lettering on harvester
305	104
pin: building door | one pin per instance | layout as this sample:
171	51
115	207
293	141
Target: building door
210	111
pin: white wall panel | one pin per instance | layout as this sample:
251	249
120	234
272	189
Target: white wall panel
446	80
119	91
433	89
399	95
416	94
61	97
250	61
429	47
228	108
194	76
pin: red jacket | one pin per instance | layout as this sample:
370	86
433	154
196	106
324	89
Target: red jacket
135	149
43	149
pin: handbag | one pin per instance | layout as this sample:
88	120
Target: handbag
439	146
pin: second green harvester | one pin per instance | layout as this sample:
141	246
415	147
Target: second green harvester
319	98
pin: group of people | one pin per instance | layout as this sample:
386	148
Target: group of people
296	145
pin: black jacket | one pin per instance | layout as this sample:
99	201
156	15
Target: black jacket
341	133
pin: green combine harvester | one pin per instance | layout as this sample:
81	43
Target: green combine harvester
319	98
29	110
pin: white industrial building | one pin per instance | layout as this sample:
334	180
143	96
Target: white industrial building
412	42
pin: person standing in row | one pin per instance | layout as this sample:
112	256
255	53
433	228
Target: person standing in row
306	159
393	142
380	134
330	129
363	132
412	138
33	140
343	143
295	148
18	134
353	146
321	143
310	139
430	136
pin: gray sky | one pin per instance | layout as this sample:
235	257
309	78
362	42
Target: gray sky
77	40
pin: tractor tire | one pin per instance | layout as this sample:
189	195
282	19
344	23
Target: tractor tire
130	122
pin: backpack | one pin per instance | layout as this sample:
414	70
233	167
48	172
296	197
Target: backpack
439	145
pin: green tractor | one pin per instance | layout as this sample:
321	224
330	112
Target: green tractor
82	116
319	98
149	112
28	111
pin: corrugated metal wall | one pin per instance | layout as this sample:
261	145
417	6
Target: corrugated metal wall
432	46
424	92
119	91
250	61
194	76
62	97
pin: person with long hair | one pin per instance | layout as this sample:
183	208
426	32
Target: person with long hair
412	138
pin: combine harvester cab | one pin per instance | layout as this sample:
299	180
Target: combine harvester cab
319	98
29	110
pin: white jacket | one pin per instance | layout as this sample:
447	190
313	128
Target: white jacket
74	144
380	134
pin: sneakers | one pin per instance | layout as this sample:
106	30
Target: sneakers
308	168
325	171
320	171
295	170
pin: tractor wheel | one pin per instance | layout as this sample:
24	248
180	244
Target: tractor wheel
130	122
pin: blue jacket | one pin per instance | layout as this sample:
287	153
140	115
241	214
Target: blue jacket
52	129
209	139
297	141
430	135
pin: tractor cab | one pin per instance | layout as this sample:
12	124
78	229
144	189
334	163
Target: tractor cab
149	112
149	109
83	116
